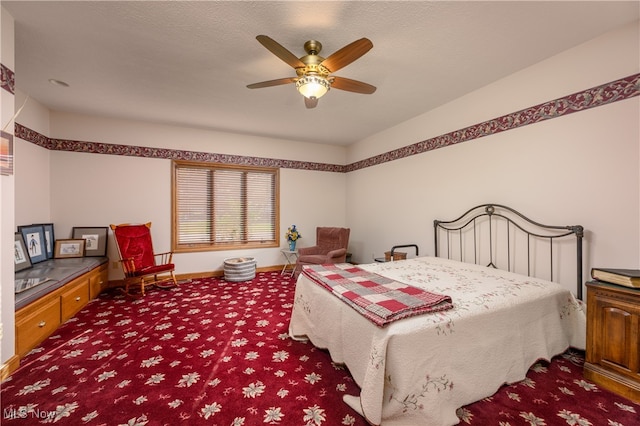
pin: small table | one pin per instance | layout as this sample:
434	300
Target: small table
291	258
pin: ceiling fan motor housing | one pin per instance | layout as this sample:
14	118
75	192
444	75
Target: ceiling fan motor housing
312	61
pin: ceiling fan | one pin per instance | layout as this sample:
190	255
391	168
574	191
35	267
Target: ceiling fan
314	77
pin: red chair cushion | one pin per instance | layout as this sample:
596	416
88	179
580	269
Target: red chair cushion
135	242
156	269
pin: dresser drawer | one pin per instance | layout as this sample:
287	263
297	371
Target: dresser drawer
98	281
36	325
73	299
612	357
39	319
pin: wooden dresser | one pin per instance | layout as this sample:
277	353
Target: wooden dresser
613	338
39	314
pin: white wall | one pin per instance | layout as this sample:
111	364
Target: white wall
33	166
7	333
604	59
98	190
125	132
578	169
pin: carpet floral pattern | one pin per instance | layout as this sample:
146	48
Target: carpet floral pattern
218	353
553	393
207	352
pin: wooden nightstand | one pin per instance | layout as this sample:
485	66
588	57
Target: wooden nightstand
613	338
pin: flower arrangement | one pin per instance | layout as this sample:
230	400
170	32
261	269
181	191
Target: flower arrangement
293	234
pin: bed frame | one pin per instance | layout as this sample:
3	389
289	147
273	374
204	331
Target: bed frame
474	236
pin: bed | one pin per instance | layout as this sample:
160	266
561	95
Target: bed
421	368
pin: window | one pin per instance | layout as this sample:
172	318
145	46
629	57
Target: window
222	207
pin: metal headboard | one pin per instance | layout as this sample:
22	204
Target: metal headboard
489	215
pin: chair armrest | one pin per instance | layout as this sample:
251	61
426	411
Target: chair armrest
164	258
303	251
128	266
337	253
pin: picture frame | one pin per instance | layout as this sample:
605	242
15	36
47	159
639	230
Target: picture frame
34	241
6	153
95	237
68	248
49	238
22	260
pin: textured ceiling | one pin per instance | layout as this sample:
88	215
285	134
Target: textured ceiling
188	63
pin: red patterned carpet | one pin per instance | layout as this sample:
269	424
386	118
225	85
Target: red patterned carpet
553	394
217	353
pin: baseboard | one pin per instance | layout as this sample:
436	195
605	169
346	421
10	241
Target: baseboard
611	380
200	275
220	273
9	367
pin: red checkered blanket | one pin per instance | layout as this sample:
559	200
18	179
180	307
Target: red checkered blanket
380	299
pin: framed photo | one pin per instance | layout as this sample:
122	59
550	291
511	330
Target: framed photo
22	259
35	242
69	248
6	153
96	239
49	238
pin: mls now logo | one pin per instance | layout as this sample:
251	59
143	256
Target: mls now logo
12	413
23	413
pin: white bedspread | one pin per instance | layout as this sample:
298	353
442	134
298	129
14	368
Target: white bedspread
419	370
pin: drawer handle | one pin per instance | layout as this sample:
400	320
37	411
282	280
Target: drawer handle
42	324
77	298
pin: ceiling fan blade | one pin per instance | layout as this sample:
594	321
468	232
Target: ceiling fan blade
270	83
281	52
352	85
310	103
347	54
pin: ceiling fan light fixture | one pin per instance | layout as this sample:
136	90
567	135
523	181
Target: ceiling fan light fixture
313	86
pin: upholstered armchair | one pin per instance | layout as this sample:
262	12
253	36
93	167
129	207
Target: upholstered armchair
331	247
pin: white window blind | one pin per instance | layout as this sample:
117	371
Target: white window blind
222	207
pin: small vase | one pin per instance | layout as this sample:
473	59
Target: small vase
292	246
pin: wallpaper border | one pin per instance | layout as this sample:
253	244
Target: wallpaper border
604	94
166	153
7	79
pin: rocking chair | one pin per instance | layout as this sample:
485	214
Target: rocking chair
141	266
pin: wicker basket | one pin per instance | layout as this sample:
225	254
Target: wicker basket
397	255
239	269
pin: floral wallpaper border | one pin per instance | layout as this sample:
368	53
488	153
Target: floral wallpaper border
29	135
7	79
604	94
614	91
